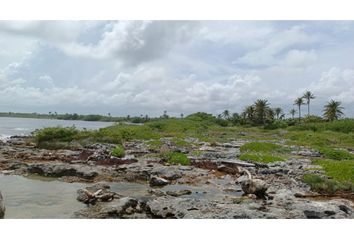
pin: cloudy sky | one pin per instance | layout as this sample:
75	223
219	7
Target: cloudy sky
146	67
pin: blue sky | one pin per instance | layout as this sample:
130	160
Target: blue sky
146	67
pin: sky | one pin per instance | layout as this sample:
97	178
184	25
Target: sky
146	67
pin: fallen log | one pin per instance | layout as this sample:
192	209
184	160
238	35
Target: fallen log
2	206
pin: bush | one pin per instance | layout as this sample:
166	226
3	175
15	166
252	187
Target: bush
55	134
260	158
276	124
118	151
176	158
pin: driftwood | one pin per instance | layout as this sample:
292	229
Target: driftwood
2	207
252	186
88	197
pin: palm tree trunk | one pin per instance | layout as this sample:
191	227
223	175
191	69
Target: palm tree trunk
299	112
308	108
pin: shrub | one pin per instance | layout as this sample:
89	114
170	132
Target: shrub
260	158
276	124
118	151
176	158
55	134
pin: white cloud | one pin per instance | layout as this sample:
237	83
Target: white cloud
266	55
298	58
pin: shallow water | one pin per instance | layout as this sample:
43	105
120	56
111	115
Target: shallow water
49	198
24	126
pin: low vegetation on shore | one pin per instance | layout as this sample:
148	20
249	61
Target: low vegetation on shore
271	137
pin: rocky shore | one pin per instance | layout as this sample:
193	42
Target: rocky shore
213	186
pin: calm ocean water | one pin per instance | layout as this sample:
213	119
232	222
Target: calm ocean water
24	126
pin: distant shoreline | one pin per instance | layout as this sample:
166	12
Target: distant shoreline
71	117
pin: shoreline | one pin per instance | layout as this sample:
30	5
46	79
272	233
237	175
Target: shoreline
214	188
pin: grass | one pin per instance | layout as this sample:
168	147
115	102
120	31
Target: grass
176	158
343	126
260	158
336	154
342	171
118	151
265	147
320	184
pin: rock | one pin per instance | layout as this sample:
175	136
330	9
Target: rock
62	169
313	214
228	170
158	182
179	193
2	206
307	153
115	209
236	163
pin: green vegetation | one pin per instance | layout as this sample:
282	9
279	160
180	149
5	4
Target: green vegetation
324	185
344	126
176	158
262	147
118	151
260	158
336	154
342	171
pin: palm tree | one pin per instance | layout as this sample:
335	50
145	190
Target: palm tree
226	114
299	102
333	110
261	106
308	96
292	112
278	112
248	113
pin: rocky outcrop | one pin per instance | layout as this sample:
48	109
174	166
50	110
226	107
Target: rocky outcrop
63	169
158	181
2	206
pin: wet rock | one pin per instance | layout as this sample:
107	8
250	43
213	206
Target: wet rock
179	193
115	209
307	153
167	172
158	181
62	169
2	206
313	214
228	170
274	171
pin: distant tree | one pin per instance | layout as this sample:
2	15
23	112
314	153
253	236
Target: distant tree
292	112
299	102
261	107
226	114
308	96
182	115
278	113
333	110
249	113
128	117
165	114
109	114
235	118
